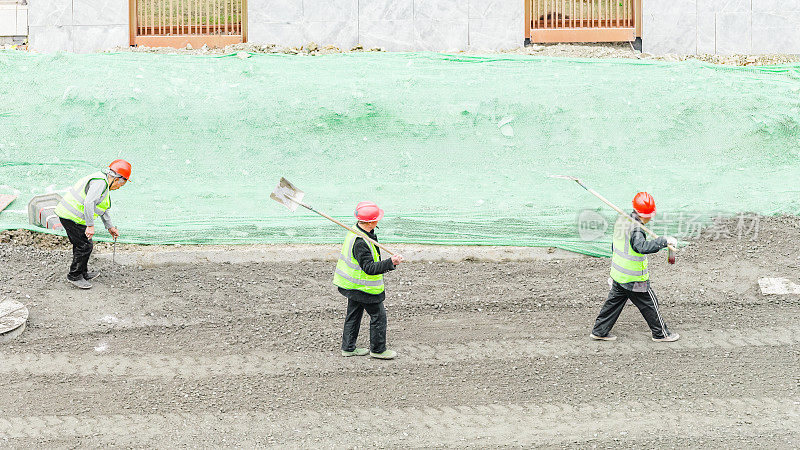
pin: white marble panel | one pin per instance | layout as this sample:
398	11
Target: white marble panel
330	10
22	22
776	33
8	20
94	38
341	34
42	13
278	33
450	10
50	39
262	11
385	10
391	35
734	32
100	12
660	7
497	9
706	33
669	33
776	5
496	34
441	36
723	6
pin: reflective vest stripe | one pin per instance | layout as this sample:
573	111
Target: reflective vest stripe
349	263
81	196
360	282
629	257
633	273
69	208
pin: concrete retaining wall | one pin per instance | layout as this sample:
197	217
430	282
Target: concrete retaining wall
721	26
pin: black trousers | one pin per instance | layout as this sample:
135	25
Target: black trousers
645	301
81	248
377	326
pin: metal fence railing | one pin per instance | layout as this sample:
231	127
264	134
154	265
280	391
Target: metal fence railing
582	20
171	19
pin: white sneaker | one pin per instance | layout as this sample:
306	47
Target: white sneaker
672	337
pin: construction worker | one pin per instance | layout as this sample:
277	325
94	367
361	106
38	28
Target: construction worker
630	276
359	276
87	198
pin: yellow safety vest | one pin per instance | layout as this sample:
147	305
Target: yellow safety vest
627	265
348	274
71	204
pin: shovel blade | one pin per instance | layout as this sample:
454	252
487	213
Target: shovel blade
287	194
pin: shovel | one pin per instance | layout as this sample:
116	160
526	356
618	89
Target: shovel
289	196
671	251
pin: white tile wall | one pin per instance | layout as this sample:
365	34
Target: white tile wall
91	38
391	35
495	34
22	20
100	12
723	26
50	39
734	33
8	20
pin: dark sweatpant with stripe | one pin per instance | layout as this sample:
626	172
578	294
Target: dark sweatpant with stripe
645	301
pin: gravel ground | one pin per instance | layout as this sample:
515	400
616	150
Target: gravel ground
492	354
623	50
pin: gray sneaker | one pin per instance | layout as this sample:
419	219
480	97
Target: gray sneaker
672	337
91	275
81	283
609	337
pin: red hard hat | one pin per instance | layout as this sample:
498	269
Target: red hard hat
368	212
644	205
121	167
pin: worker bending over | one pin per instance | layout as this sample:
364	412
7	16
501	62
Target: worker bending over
359	276
89	197
630	275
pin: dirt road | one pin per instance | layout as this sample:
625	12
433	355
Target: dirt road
491	354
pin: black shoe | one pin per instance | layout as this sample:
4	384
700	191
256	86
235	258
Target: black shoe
91	275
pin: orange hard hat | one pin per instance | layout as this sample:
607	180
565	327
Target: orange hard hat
121	168
644	205
368	212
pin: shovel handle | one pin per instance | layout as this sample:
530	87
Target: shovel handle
621	212
350	229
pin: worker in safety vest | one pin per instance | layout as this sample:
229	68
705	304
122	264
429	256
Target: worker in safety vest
630	276
359	276
87	198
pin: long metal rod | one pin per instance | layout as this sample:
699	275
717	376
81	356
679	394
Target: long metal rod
618	210
352	230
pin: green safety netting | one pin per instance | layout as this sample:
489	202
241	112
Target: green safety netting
455	148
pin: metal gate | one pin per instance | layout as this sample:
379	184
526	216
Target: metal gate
582	20
176	23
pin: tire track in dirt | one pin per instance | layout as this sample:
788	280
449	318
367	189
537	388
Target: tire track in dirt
490	424
275	364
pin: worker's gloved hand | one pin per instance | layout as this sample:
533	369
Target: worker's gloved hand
672	241
114	232
89	232
397	259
